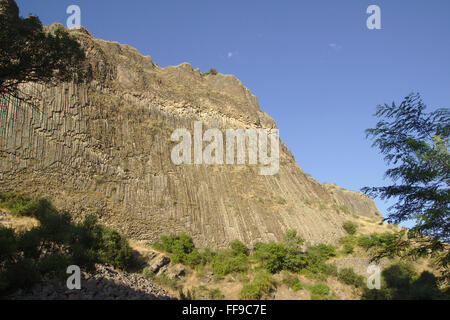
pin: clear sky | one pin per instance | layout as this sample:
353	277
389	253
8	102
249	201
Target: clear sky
315	67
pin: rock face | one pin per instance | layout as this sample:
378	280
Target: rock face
104	148
103	284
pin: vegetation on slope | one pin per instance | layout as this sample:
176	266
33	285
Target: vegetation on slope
291	259
56	243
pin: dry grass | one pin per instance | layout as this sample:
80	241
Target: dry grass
18	224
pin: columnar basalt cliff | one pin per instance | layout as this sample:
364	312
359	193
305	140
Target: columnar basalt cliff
104	148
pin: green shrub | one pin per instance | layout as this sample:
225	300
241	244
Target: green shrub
382	240
365	242
319	289
350	277
194	259
8	244
147	273
55	264
295	262
208	255
349	227
54	245
293	242
22	274
298	286
323	251
23	206
94	243
401	282
289	279
348	248
264	281
215	294
262	284
250	292
211	71
225	262
271	256
239	248
179	247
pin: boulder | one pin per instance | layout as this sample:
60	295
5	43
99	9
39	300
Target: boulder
158	262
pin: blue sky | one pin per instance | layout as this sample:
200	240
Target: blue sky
313	64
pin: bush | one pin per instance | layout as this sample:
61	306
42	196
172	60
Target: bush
22	274
54	245
8	244
194	259
271	256
112	248
215	294
350	227
323	251
239	248
319	289
376	240
292	242
55	264
295	262
226	262
250	292
348	248
211	71
401	282
262	284
289	279
298	286
349	277
178	246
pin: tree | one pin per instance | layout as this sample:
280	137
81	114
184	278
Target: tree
415	144
29	54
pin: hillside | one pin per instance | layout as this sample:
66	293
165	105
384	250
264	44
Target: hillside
104	148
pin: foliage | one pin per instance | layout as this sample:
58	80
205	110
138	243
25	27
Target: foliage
293	242
319	289
250	292
262	284
384	244
323	251
348	248
181	249
271	255
215	294
415	143
211	71
54	244
228	261
349	227
401	282
239	248
291	281
29	54
350	277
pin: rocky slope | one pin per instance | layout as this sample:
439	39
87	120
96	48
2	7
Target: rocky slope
104	283
104	148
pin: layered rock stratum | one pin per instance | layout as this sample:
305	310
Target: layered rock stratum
104	147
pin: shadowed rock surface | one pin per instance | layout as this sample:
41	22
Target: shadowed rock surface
104	284
104	148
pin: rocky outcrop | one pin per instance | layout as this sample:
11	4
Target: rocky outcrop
103	284
104	147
